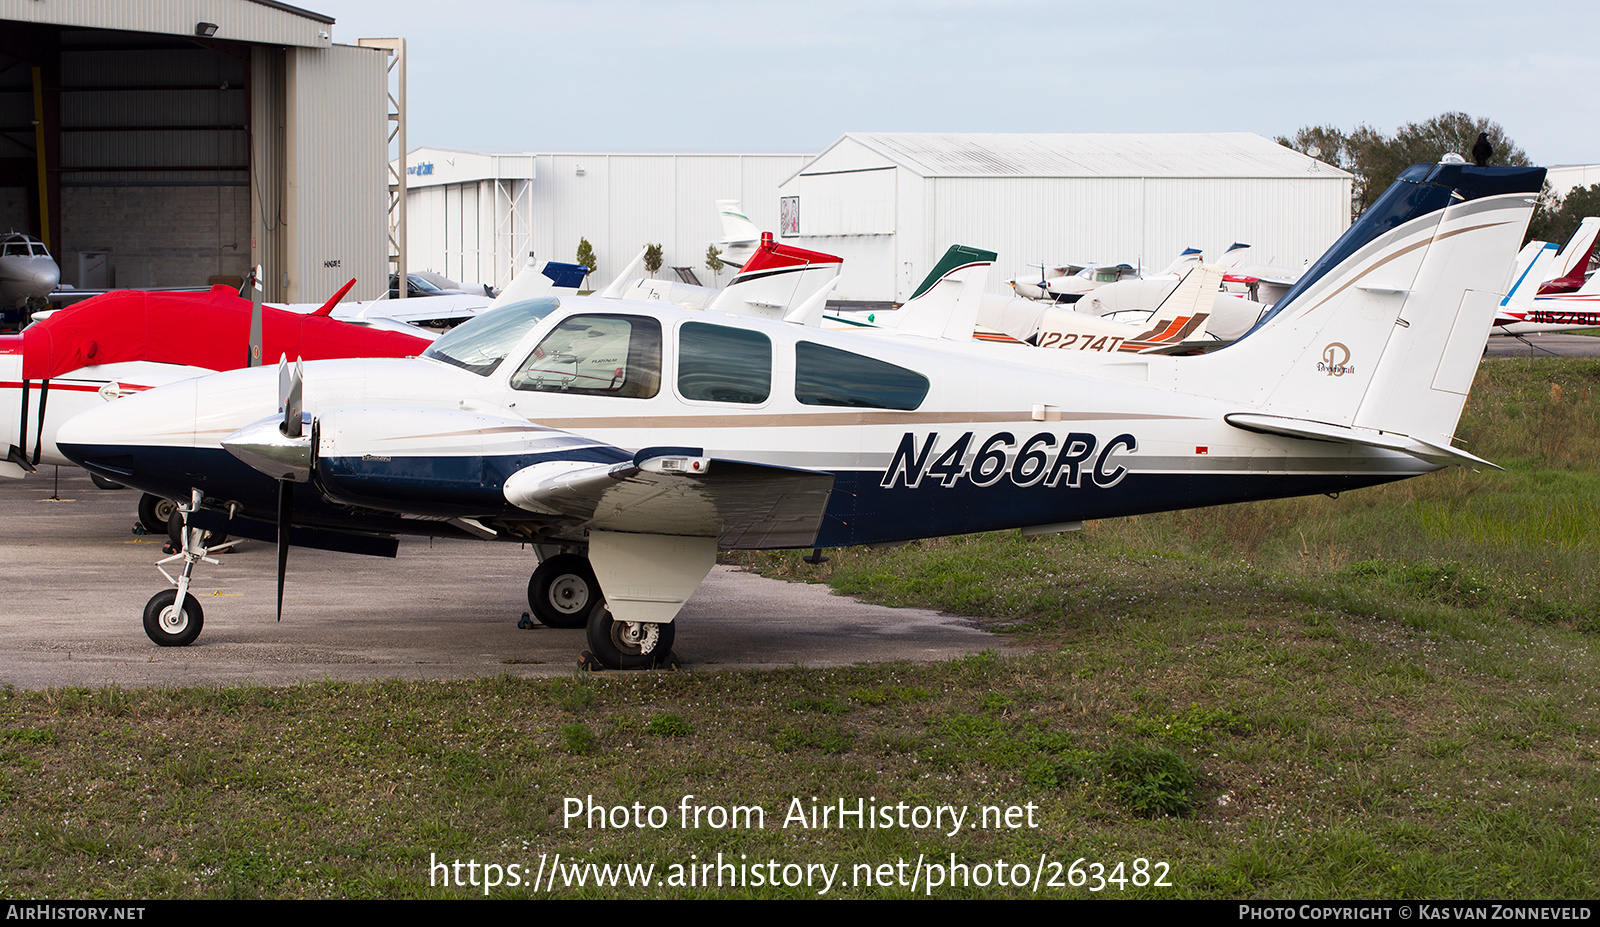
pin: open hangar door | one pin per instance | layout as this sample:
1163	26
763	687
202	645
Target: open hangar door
146	153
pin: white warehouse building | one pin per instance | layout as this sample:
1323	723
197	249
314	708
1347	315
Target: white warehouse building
888	203
891	203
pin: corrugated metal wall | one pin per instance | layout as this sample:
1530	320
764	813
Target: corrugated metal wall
619	202
1127	219
623	202
235	19
268	135
337	192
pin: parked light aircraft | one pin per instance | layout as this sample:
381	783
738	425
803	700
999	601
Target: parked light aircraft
128	341
1524	313
950	301
1571	269
1091	277
740	236
629	441
28	274
775	278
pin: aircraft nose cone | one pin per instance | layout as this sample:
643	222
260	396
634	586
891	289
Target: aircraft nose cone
47	279
160	417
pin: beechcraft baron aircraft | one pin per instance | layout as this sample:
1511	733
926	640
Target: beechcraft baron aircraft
629	441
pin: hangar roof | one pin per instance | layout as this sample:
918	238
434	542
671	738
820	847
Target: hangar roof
260	21
966	154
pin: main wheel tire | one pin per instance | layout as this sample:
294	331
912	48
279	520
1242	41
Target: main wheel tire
155	512
628	644
562	591
168	625
175	533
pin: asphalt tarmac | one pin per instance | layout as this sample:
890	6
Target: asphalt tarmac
77	578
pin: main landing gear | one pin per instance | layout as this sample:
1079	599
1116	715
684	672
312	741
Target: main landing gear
166	621
563	593
154	512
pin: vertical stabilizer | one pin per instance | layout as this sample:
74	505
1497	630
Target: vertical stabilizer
1188	257
1234	256
633	271
1533	261
946	304
776	278
1384	331
1572	264
527	284
736	226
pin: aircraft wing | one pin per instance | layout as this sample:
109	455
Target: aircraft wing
675	491
434	462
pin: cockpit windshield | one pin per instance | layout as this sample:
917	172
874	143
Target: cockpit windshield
479	345
23	246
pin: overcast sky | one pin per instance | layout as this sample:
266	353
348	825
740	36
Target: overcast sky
717	75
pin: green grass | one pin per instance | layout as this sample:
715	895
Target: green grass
1385	695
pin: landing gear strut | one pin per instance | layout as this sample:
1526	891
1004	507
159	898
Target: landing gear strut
564	593
167	622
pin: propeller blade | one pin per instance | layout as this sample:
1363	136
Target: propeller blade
290	393
254	357
285	511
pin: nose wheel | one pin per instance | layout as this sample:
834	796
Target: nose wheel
167	622
169	625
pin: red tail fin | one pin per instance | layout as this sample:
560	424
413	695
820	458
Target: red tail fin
327	307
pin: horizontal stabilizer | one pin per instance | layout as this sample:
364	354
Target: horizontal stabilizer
1340	434
743	505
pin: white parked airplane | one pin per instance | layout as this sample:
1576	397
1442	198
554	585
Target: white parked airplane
740	236
28	274
950	301
628	442
1083	278
775	278
1571	268
1525	310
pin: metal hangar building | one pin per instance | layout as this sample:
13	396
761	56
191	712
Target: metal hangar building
158	144
890	203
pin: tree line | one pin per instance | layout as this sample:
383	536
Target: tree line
1376	159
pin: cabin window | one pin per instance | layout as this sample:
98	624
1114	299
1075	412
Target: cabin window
596	355
825	376
721	364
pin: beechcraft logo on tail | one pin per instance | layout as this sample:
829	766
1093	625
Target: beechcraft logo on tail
1043	459
1335	360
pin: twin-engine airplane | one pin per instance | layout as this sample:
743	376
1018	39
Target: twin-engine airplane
628	442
